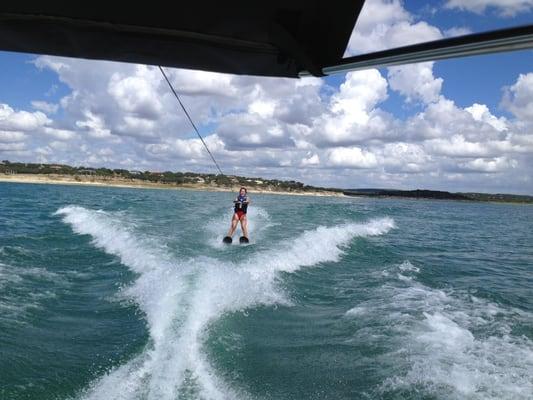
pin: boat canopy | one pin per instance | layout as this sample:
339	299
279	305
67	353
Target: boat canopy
283	38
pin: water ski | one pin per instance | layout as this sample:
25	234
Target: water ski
227	239
243	239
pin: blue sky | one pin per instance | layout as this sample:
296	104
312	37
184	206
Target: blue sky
22	83
461	124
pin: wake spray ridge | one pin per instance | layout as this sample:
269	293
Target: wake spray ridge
181	299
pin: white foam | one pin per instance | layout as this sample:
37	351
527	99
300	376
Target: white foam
160	292
323	244
407	266
356	311
449	355
458	348
181	299
443	333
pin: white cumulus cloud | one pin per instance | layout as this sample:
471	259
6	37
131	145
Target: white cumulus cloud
47	108
508	8
518	98
351	157
416	82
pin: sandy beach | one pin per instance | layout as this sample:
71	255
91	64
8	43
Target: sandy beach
58	179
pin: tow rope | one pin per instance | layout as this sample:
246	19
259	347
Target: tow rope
190	120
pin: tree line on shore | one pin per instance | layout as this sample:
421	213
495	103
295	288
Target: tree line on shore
165	177
193	178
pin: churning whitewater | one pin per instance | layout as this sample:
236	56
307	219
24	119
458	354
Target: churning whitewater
110	293
181	297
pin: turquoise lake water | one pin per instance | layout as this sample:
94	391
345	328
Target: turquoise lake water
111	293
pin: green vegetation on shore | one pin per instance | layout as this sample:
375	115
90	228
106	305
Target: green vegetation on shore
440	195
187	179
166	177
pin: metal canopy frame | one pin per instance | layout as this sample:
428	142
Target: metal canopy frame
510	39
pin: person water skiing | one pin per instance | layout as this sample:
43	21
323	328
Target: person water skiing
240	209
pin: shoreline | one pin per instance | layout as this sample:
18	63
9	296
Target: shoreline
88	181
132	184
463	201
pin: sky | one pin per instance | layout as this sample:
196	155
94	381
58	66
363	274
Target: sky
459	125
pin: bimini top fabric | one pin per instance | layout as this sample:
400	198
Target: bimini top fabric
252	37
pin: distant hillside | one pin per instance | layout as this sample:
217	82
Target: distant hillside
501	197
206	181
440	195
185	179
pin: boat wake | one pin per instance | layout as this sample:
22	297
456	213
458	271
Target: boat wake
181	298
449	345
